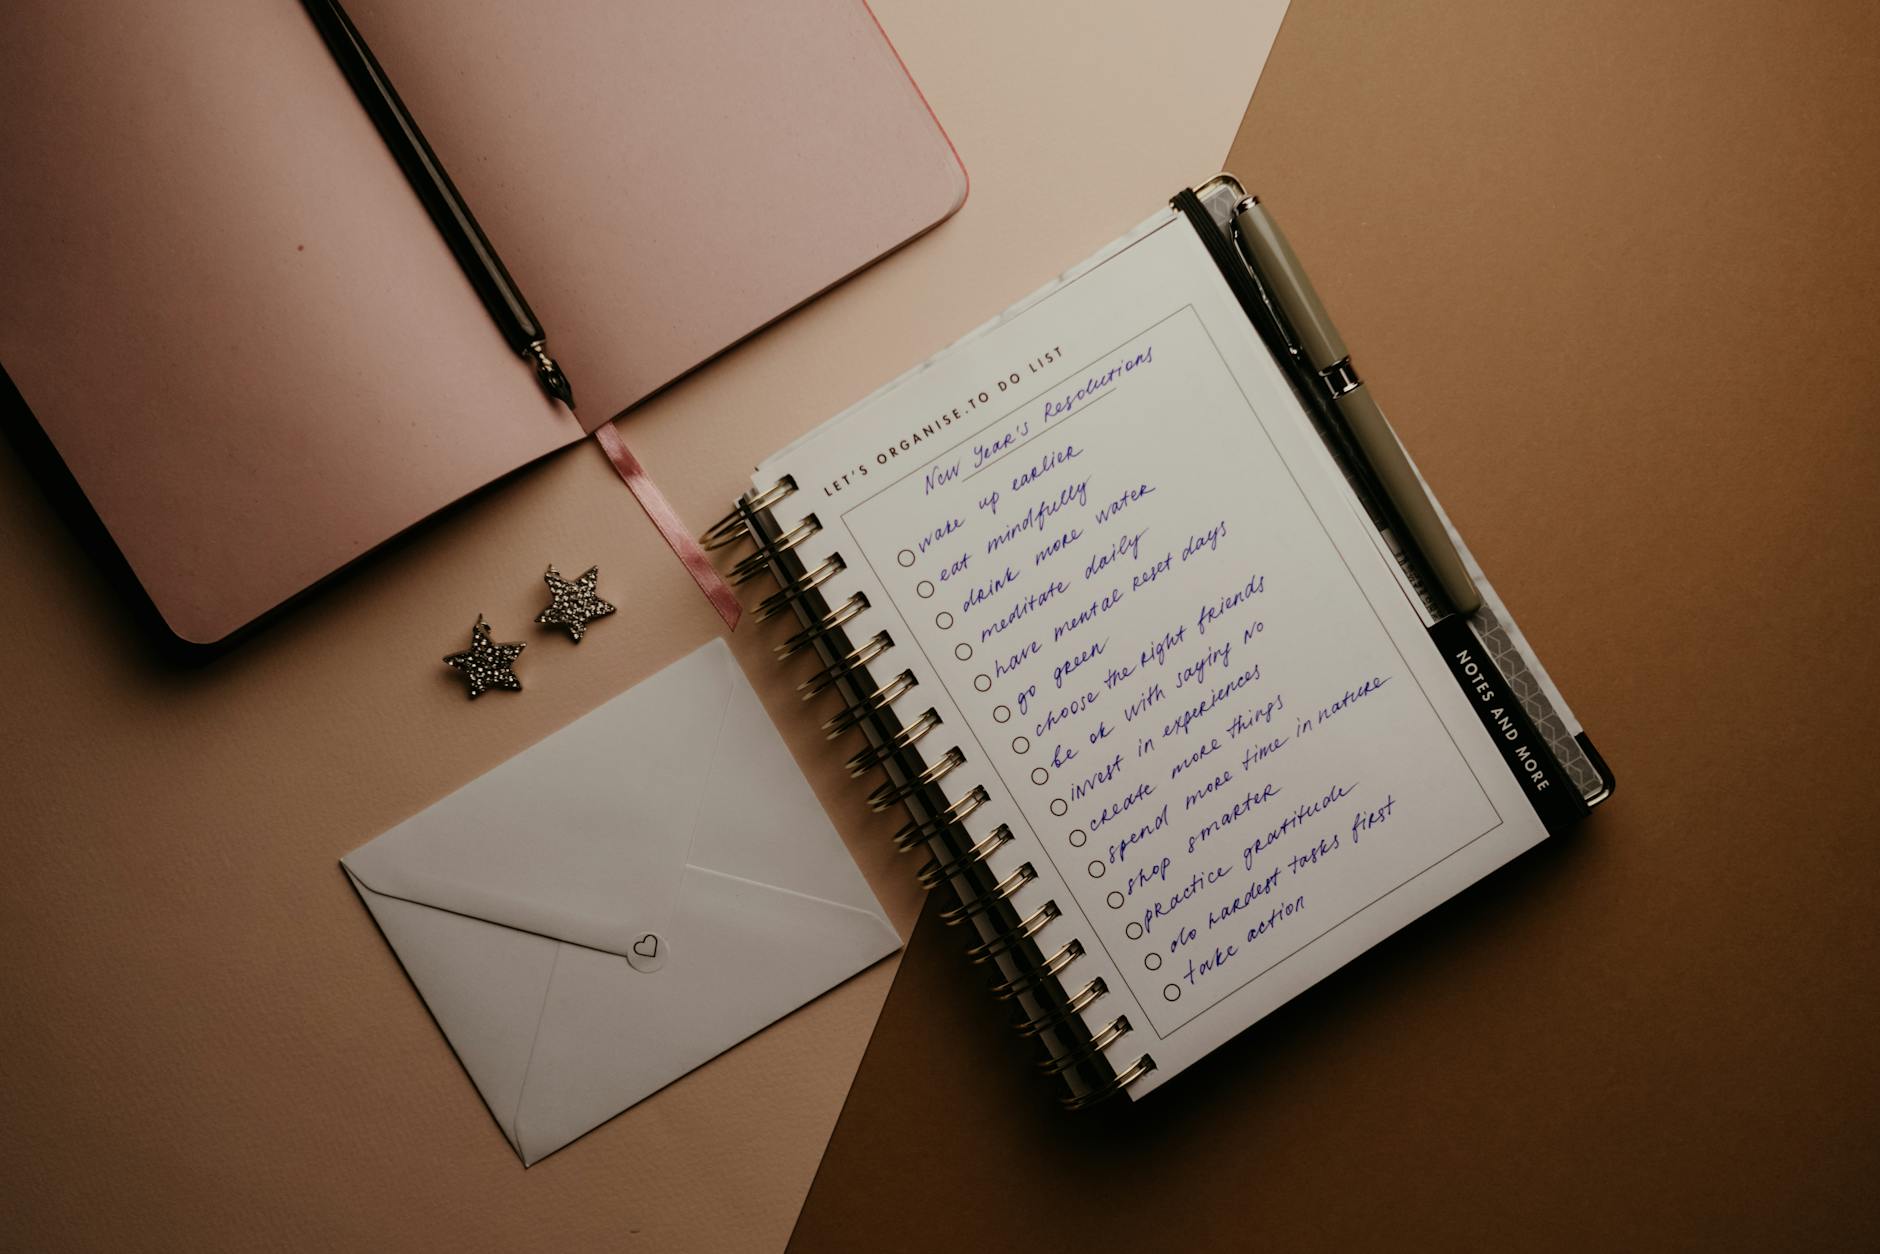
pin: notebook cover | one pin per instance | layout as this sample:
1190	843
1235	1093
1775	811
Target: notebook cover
243	337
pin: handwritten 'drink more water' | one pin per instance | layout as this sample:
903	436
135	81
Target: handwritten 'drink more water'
1165	660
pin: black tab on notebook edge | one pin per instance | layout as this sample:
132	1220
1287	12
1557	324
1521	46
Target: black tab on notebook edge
1549	791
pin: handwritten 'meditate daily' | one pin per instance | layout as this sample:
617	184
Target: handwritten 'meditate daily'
1167	664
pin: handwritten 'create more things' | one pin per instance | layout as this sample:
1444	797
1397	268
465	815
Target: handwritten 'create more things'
1140	633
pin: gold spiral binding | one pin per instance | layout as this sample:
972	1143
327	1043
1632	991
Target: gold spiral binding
759	562
1070	952
873	756
1113	1032
1124	1078
979	903
1028	927
922	830
935	872
780	600
1085	998
857	602
891	793
861	655
821	627
737	524
881	698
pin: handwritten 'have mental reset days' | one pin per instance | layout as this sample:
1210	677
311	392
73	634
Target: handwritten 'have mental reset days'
1132	634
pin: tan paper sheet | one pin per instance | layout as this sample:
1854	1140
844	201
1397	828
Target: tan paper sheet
1590	257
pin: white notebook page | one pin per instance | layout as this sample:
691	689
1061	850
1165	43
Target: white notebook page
1106	540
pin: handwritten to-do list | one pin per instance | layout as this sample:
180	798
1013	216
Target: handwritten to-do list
1161	656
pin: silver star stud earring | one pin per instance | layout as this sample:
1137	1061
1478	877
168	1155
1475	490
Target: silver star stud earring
485	664
573	605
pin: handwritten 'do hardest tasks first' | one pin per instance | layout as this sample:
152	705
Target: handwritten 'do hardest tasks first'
1169	666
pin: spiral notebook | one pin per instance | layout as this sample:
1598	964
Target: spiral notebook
1176	723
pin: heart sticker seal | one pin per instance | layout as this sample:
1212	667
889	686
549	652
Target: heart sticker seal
647	954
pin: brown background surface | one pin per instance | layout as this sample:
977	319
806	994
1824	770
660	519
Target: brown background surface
1612	270
204	1044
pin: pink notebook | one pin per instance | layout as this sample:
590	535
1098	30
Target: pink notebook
246	340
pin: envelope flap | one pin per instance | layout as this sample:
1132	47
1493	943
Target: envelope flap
584	836
764	823
746	954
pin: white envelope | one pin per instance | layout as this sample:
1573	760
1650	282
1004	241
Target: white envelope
672	818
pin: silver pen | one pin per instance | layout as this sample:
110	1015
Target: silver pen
1325	353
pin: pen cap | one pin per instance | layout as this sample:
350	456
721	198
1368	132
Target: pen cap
1275	257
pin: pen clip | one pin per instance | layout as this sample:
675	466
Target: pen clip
1291	341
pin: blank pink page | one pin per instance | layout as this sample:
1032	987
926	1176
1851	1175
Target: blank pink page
227	309
253	349
664	177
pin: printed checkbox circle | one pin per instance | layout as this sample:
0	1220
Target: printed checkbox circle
943	620
1133	931
984	684
905	557
1020	745
924	588
1000	713
963	651
1115	901
1079	836
1039	775
1059	807
1095	868
1152	960
1171	992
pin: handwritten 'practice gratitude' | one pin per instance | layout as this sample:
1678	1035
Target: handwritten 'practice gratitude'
1165	661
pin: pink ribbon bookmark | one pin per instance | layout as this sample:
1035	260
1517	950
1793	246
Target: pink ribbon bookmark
664	517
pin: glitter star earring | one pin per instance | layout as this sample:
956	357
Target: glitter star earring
573	604
485	664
